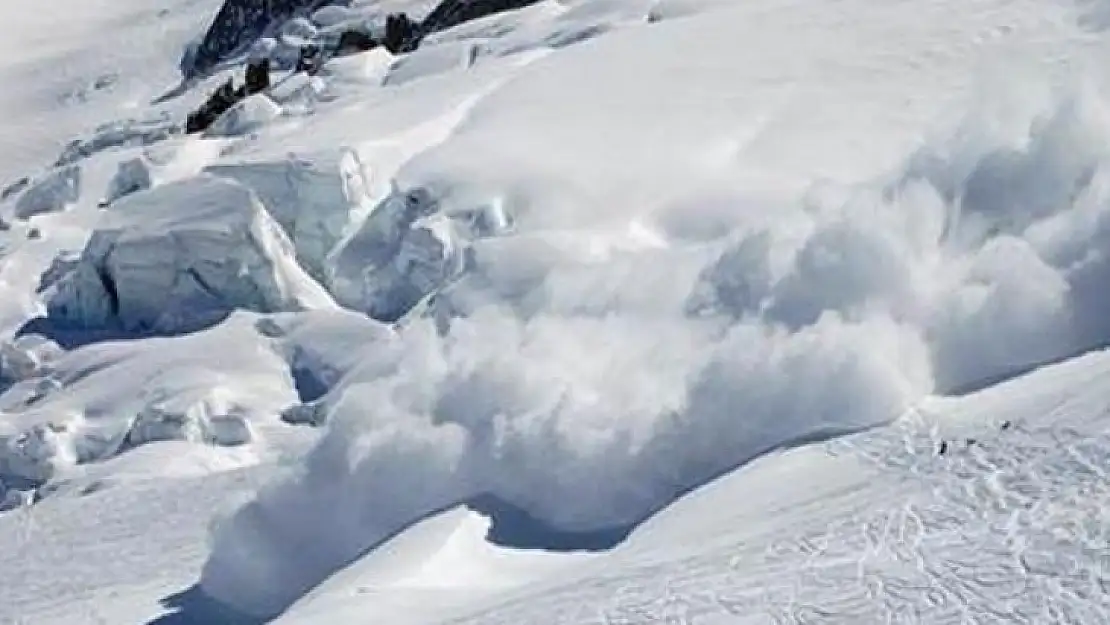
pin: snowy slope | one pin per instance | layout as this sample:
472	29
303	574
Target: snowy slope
705	283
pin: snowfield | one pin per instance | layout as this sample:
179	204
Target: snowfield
594	311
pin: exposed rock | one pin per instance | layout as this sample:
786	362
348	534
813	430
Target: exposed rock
353	42
258	77
238	24
450	13
221	100
401	34
310	60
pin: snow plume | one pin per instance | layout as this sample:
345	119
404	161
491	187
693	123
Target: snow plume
591	380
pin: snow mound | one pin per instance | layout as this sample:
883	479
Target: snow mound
316	198
209	419
180	257
50	194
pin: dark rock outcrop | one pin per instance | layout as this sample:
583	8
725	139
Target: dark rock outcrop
219	102
401	34
450	13
240	23
310	60
354	41
257	80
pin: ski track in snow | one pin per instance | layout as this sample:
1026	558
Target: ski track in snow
1011	529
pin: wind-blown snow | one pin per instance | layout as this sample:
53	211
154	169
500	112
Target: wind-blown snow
593	255
651	321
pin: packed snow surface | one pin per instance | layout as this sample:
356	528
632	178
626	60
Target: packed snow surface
594	311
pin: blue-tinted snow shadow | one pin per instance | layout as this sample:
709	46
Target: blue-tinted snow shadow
308	385
193	607
69	336
513	527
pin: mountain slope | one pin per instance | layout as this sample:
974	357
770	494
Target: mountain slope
692	283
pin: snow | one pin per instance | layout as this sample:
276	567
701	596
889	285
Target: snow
245	117
316	198
219	250
132	176
607	311
51	194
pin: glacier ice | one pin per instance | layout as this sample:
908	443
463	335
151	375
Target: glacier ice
180	257
316	198
404	251
51	193
132	175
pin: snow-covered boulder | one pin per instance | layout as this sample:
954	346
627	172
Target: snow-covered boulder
315	198
180	257
246	116
132	175
403	252
50	194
